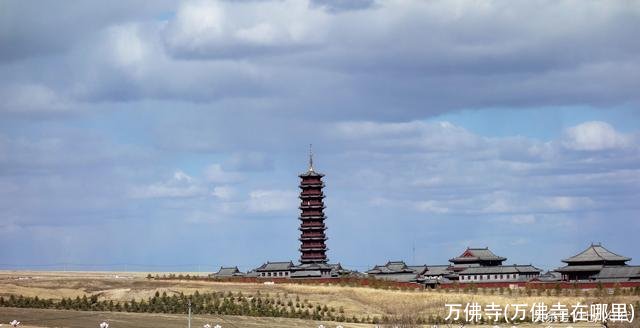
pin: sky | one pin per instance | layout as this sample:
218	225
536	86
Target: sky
162	135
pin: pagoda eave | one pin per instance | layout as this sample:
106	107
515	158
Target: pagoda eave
311	185
307	218
311	196
313	238
316	249
312	228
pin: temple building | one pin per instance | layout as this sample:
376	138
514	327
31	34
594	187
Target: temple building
398	271
275	270
482	265
597	263
227	272
476	257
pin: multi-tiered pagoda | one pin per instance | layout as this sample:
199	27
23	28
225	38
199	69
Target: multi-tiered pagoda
313	248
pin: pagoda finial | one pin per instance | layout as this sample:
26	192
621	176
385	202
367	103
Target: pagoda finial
310	157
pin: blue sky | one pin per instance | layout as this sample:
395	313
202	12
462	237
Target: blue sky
168	136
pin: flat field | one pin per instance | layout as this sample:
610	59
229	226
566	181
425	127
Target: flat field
354	301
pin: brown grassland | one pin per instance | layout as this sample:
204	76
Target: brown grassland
355	301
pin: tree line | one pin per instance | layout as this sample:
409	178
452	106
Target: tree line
217	303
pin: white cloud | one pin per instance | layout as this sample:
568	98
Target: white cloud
127	46
568	203
217	174
32	98
593	136
431	207
224	192
197	23
210	28
181	185
443	169
523	219
435	136
271	200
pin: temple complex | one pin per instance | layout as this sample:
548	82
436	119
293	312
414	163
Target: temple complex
473	265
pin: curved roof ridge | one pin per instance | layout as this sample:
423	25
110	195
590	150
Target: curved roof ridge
596	253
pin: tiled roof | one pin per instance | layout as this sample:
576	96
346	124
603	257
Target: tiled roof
275	266
579	268
397	267
228	272
419	269
550	276
627	272
477	254
306	274
311	173
437	270
596	253
312	266
402	277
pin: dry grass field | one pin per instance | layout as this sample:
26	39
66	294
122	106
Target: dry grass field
37	318
358	301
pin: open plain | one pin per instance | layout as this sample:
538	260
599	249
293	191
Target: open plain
360	302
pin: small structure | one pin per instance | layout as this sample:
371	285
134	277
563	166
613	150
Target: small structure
439	274
275	270
587	265
397	271
227	272
549	276
312	270
338	271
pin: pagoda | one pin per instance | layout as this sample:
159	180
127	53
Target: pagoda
312	238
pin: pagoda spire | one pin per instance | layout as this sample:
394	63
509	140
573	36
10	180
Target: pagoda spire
310	157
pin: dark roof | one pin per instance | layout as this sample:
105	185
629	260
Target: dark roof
396	267
437	270
580	268
617	272
477	254
401	277
312	266
310	173
596	253
501	269
336	266
419	269
550	276
275	266
306	274
228	272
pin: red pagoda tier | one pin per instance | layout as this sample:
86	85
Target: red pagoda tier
313	248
